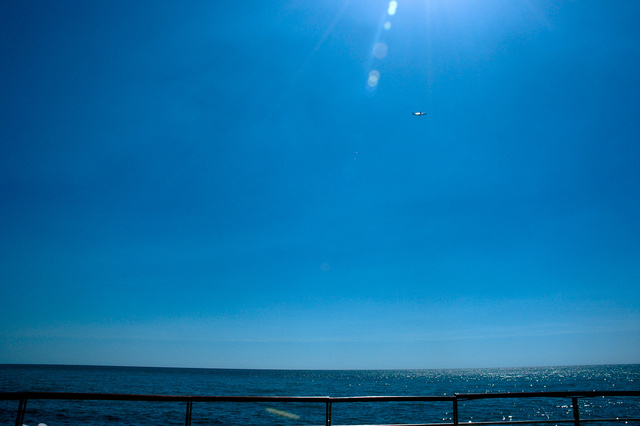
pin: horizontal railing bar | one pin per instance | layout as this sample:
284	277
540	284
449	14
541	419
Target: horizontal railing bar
391	398
525	422
482	423
156	398
405	424
504	422
522	422
500	423
586	394
317	399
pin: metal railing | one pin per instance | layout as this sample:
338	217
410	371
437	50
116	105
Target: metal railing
23	397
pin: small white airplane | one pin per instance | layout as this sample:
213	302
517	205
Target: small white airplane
419	113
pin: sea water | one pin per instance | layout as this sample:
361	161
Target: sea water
184	381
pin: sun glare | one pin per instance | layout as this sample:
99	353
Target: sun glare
393	5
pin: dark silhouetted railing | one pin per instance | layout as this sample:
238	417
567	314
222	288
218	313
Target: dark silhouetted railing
23	397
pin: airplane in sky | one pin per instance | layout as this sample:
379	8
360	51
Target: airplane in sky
419	113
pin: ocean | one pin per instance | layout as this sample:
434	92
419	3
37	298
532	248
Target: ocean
187	381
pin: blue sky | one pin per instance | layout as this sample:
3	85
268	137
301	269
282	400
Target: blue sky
242	184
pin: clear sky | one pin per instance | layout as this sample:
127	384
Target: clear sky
243	185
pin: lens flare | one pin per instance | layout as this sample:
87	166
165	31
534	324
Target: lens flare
380	50
282	413
374	76
393	5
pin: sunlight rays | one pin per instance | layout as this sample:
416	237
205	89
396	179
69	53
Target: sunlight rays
303	67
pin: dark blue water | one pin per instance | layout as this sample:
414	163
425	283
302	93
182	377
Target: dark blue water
170	381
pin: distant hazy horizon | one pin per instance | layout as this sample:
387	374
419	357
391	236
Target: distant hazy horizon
316	369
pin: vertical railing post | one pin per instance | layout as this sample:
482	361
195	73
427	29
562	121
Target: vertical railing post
22	407
455	411
328	422
576	411
187	421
